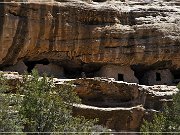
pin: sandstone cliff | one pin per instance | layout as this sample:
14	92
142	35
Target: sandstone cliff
132	41
76	34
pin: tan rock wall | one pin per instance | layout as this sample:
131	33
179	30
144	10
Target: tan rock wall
110	33
119	119
112	71
106	88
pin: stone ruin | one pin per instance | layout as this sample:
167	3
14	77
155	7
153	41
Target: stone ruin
113	38
48	68
103	40
158	77
119	73
118	105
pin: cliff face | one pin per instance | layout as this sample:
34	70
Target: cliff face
132	41
82	33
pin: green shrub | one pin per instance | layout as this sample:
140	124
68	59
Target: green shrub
166	121
39	106
157	125
9	104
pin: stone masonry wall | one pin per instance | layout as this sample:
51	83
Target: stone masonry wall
112	71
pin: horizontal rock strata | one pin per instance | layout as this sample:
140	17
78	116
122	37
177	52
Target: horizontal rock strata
80	32
134	41
118	105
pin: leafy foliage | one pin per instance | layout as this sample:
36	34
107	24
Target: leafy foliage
166	121
157	125
39	106
47	108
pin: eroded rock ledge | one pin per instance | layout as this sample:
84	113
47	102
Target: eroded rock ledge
118	105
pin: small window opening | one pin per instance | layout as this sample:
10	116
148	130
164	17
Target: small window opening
158	77
120	77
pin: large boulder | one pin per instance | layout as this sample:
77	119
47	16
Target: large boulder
106	92
109	93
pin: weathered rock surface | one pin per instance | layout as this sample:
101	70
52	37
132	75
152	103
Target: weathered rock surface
119	119
108	93
134	41
137	33
118	105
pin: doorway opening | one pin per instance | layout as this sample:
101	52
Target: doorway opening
158	76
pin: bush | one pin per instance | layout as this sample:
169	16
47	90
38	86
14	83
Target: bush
157	125
166	121
43	108
9	104
47	108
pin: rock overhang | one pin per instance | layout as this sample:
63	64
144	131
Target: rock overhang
95	33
